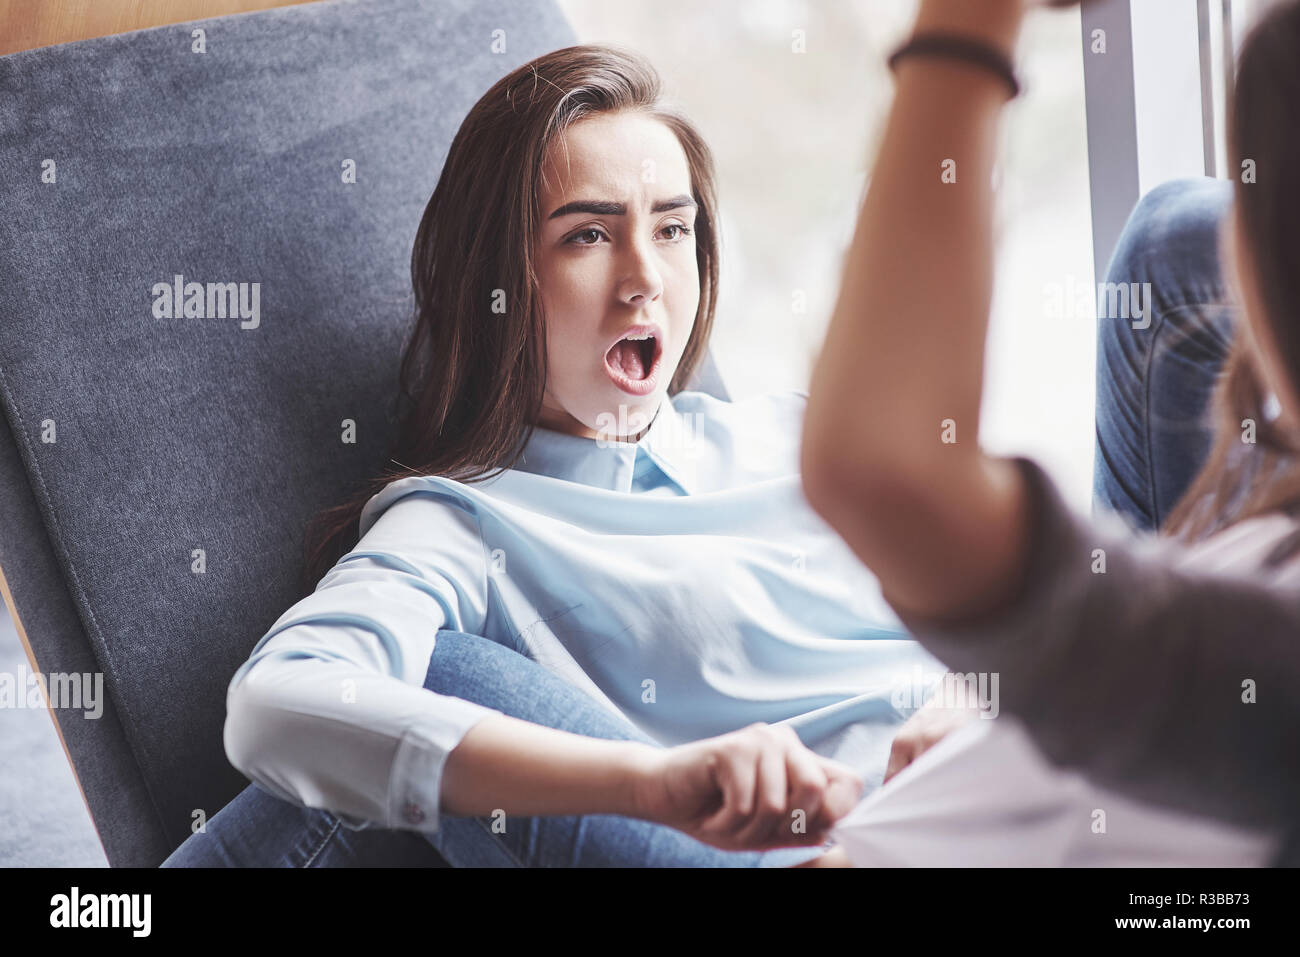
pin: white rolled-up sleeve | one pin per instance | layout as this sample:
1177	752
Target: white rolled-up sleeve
330	709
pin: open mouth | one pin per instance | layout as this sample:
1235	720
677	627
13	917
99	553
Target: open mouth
633	361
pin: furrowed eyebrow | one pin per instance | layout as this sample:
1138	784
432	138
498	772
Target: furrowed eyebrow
604	208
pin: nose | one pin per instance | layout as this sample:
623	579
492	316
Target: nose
642	283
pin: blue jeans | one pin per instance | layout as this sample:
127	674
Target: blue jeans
258	829
1154	384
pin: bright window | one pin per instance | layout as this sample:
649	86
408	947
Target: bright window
794	133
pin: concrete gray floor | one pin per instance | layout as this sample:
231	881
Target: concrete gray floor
43	820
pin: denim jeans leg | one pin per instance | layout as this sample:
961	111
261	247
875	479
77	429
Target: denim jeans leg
491	674
1156	373
259	829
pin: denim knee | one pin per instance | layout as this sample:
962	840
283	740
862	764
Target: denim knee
1171	240
1166	260
1155	373
493	673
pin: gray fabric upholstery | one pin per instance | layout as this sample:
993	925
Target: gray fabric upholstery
179	434
109	777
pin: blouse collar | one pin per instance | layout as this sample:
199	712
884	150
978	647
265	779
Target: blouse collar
610	464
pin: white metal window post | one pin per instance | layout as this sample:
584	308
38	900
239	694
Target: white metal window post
1157	75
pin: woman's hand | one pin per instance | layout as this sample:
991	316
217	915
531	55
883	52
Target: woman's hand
753	789
923	730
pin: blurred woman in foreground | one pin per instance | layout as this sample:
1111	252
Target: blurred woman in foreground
1164	668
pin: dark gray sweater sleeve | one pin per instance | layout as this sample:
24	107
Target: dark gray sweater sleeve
1139	676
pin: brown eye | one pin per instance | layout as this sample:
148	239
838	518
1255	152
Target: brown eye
585	232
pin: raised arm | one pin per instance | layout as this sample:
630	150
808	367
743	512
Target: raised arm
1173	685
942	525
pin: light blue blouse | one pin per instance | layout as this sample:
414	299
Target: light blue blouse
682	581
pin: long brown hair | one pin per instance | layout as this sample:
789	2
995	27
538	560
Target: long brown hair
1241	480
472	380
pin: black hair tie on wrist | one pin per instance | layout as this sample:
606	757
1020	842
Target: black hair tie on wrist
956	47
